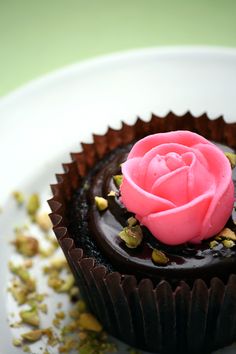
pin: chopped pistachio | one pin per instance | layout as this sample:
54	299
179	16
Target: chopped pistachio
74	293
159	257
111	194
74	313
56	322
47	252
132	235
59	263
43	221
24	275
81	306
26	349
213	244
60	315
36	297
56	264
101	203
30	316
131	221
55	282
21	271
32	336
232	158
19	292
19	197
96	343
67	284
43	308
28	263
118	180
89	322
17	342
26	245
33	205
16	325
227	233
52	340
228	243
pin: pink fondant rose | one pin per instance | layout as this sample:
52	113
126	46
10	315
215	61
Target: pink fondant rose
179	185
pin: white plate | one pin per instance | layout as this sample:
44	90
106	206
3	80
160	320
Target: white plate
41	122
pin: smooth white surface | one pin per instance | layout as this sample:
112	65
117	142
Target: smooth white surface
42	122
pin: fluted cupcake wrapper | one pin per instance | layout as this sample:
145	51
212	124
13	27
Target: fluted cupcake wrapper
196	319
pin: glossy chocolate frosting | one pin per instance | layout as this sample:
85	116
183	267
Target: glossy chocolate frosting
97	233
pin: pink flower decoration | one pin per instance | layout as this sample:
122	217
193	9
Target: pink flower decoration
179	185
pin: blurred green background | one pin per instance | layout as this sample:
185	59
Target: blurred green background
39	36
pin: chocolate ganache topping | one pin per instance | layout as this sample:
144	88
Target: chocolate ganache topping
97	232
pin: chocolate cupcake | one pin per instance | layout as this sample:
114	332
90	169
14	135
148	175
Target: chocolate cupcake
159	283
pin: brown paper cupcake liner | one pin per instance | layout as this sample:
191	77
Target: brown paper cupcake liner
188	319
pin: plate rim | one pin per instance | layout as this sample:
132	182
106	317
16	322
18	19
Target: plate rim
77	66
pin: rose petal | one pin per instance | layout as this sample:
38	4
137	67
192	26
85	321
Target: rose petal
223	200
200	180
137	199
183	137
220	215
156	168
173	187
174	161
181	224
152	165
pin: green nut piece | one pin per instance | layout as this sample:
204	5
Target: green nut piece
32	336
26	245
33	205
19	197
67	284
19	292
118	180
228	243
227	234
159	257
44	222
101	203
89	322
81	306
111	194
24	275
17	342
213	244
30	316
43	308
131	221
232	158
132	235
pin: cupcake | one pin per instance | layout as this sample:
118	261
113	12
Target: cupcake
144	216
